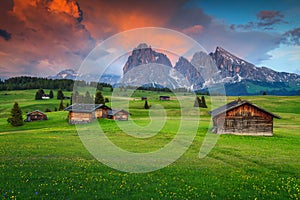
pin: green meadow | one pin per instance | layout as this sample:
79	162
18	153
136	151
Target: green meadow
47	159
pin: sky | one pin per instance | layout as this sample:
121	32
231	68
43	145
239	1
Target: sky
43	37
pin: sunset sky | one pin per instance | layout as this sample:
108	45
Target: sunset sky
43	37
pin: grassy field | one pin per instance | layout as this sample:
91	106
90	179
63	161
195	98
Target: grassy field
47	160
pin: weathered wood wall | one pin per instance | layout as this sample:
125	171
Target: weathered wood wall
120	116
79	117
99	113
244	120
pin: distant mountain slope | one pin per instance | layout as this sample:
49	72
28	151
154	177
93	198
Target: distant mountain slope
66	74
73	75
232	66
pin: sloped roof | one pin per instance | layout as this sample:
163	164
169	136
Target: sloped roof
80	107
235	104
113	112
36	111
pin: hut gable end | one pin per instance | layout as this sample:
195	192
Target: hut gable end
35	116
242	118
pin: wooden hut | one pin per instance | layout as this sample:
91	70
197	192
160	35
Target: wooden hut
242	118
143	98
102	111
35	116
85	113
118	115
164	98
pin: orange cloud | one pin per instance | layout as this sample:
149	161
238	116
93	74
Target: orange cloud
104	18
196	29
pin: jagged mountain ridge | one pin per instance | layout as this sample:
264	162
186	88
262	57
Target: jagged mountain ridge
200	72
230	65
144	54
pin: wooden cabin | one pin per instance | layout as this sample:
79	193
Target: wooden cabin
85	113
35	116
102	111
143	98
242	118
164	98
118	115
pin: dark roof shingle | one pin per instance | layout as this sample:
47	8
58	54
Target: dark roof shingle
78	107
235	104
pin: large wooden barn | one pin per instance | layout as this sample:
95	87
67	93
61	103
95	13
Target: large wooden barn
85	113
35	116
242	118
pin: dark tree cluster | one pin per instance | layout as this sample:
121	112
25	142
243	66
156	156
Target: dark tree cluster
201	103
158	89
99	99
39	94
88	98
60	94
27	82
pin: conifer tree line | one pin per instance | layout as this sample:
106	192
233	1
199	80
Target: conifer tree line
88	98
27	82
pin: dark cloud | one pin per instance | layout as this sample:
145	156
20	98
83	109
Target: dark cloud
292	37
5	35
185	18
6	5
80	13
266	19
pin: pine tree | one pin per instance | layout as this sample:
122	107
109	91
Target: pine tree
51	94
61	105
16	118
203	102
197	102
39	94
146	106
88	98
99	99
60	94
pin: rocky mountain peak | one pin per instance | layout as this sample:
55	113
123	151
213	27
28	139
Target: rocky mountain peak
144	54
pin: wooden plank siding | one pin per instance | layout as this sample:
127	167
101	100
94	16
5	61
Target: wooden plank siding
244	119
76	117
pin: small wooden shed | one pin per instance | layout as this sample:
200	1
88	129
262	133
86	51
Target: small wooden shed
118	115
164	98
102	111
85	113
242	118
35	116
